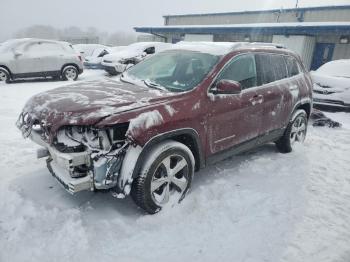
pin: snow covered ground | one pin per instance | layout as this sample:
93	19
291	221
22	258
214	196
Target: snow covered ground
260	206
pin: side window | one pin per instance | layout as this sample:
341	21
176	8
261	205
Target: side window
242	69
270	68
150	50
33	48
280	67
43	48
292	66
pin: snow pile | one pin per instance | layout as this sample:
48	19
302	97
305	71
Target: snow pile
144	121
259	206
336	68
170	110
339	83
134	50
333	81
214	48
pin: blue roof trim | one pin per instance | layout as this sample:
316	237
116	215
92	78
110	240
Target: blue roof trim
283	30
300	9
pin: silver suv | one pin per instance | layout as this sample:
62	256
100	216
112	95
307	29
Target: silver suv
30	58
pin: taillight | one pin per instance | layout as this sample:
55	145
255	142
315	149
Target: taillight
81	60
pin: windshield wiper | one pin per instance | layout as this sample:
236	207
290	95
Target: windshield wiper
151	84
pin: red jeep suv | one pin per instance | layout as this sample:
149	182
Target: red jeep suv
172	114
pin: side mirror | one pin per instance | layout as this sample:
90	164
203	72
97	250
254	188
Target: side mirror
227	87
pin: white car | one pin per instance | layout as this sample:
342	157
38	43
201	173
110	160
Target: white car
118	62
86	50
31	58
94	60
332	86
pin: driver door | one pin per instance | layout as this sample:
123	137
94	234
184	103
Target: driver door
234	119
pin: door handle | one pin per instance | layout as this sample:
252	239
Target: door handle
257	99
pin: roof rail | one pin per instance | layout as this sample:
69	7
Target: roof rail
275	45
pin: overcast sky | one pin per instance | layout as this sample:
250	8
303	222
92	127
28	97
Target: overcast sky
115	15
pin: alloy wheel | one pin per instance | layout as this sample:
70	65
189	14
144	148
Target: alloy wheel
71	74
170	179
298	131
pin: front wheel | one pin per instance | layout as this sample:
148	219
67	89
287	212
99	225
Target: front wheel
294	133
70	73
165	177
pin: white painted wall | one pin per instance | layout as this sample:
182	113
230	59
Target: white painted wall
341	51
197	37
302	45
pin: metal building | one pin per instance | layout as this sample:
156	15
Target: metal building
318	34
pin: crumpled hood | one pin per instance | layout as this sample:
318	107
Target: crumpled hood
86	103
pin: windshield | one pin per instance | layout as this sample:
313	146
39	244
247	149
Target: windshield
174	70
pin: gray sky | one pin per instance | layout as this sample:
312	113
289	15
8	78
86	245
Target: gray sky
116	15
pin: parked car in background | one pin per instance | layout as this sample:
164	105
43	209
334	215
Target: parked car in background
332	86
118	62
172	114
94	61
87	49
31	58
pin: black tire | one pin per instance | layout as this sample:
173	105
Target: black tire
153	170
4	75
290	136
70	73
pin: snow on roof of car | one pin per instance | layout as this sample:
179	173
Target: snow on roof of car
214	48
140	46
336	68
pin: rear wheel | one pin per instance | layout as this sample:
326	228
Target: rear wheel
70	73
4	76
294	133
165	177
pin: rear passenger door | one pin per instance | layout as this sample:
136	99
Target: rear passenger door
274	88
51	54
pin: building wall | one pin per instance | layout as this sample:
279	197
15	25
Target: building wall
302	45
341	51
305	45
261	17
149	38
243	38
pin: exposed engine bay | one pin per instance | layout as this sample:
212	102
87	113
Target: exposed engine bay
83	157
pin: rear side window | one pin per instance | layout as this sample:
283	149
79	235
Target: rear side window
292	66
270	68
242	69
43	48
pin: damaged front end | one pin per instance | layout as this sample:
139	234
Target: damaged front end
84	157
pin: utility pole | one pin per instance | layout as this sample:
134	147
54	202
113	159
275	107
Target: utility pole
296	4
